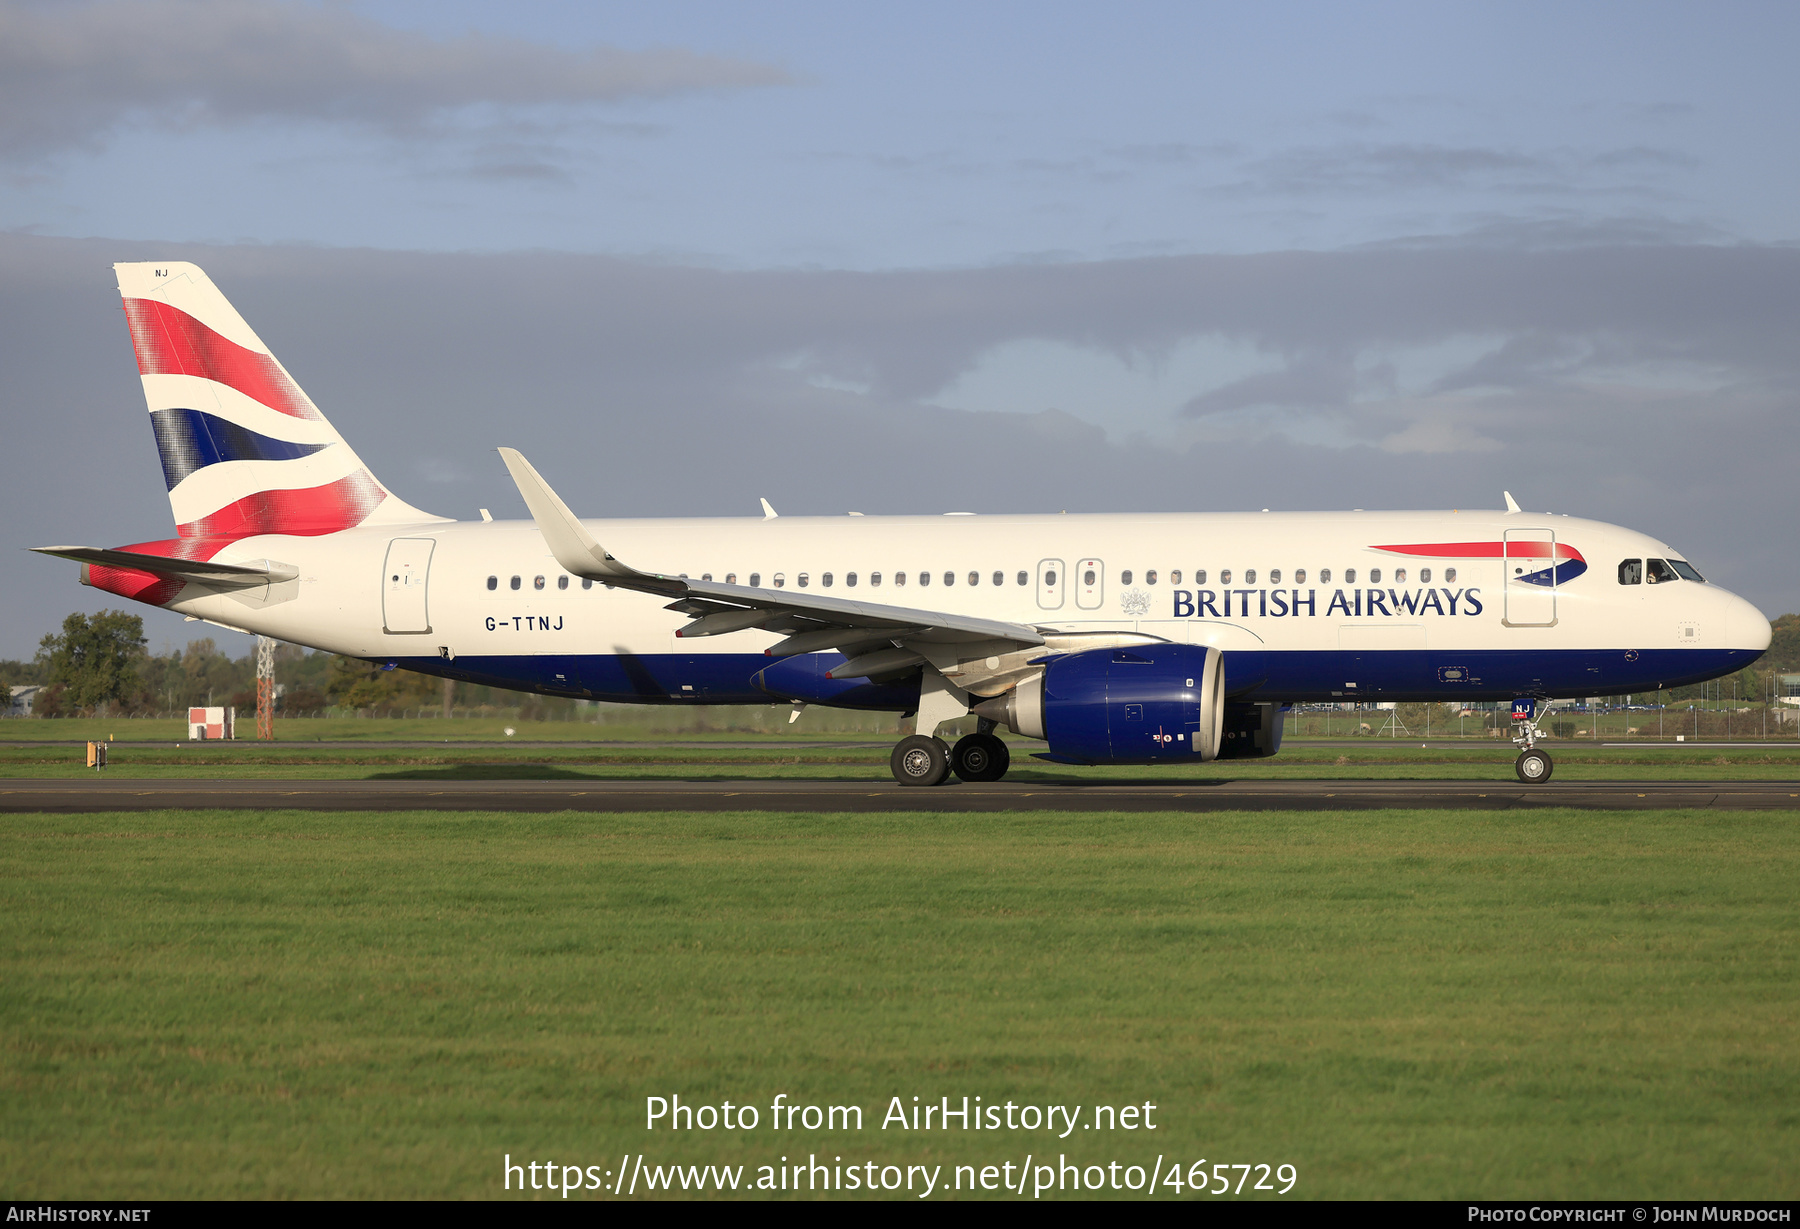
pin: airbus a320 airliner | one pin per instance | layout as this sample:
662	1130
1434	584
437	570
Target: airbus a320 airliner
1113	639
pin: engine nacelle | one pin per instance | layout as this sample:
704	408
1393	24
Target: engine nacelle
1150	703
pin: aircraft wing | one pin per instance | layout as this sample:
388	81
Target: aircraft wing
877	638
186	569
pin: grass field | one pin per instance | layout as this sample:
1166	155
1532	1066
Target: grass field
1408	1004
869	761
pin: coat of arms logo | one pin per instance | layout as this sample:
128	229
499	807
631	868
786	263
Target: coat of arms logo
1134	602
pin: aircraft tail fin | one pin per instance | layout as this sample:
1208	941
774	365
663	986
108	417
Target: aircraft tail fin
244	450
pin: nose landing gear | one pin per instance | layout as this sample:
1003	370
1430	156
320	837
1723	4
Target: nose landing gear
1534	767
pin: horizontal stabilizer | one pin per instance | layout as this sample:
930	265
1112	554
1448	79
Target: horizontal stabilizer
186	569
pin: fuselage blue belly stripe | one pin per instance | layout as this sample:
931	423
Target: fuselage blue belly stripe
1269	676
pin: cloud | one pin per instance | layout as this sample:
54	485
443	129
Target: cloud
1651	385
71	74
1311	382
1382	168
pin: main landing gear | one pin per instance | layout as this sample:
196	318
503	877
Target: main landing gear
922	760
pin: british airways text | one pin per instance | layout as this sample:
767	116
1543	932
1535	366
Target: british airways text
1356	603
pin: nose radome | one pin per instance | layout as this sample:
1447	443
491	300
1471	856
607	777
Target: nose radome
1746	627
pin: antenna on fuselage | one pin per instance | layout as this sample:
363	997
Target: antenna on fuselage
1512	505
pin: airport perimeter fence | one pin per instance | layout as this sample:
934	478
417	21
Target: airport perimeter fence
1687	721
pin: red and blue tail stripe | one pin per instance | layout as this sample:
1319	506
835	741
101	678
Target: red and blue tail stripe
306	513
190	440
169	342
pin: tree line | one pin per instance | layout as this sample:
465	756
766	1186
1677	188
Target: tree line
99	665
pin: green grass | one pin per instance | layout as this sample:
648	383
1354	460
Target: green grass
845	761
620	722
1547	1004
731	723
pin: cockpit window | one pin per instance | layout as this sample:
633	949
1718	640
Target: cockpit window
1631	572
1685	570
1660	571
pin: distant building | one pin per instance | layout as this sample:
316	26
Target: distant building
1787	688
24	695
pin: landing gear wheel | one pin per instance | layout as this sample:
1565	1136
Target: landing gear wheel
980	757
1534	767
919	760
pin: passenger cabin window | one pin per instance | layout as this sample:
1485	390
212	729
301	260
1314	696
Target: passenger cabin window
949	578
1050	579
1299	576
1199	576
537	582
781	580
1660	571
900	578
1225	576
1150	577
849	580
974	578
756	580
999	579
805	580
1631	572
1685	570
515	582
1374	576
706	576
586	583
1175	576
826	580
1324	576
731	578
562	582
1274	576
1024	578
924	578
1124	577
1449	576
1424	576
493	583
1349	576
1249	576
875	579
1399	576
1087	577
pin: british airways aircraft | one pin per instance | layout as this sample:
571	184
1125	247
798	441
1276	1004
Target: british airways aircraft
1114	639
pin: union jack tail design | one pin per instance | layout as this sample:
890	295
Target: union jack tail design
244	451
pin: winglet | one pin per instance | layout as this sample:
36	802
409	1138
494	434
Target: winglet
571	543
769	512
1512	505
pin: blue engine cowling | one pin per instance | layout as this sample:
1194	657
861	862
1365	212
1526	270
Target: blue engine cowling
1146	704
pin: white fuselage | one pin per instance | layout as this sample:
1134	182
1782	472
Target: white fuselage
1313	609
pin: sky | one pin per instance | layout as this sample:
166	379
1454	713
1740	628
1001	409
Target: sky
919	258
